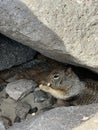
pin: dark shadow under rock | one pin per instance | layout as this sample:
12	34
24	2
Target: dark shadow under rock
64	118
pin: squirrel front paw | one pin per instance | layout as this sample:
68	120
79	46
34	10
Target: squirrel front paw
44	87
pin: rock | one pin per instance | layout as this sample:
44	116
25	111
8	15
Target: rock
20	88
63	118
22	110
90	124
40	96
38	107
66	31
13	53
2	125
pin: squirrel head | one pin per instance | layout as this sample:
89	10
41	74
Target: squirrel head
65	78
58	77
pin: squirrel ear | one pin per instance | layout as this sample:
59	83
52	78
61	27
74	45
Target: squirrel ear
69	70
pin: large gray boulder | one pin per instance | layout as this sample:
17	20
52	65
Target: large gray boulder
63	30
91	124
64	118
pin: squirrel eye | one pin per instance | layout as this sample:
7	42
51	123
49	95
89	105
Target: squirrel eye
56	76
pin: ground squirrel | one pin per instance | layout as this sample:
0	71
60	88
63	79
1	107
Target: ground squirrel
65	85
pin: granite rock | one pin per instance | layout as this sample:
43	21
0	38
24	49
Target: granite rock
2	125
63	118
20	88
22	110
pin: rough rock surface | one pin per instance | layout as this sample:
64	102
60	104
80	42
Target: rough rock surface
64	118
66	31
22	109
90	124
20	88
13	53
2	125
